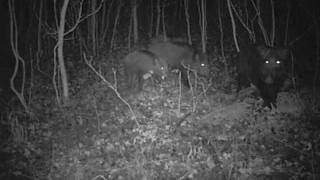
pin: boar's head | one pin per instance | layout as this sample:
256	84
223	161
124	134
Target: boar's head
272	64
160	67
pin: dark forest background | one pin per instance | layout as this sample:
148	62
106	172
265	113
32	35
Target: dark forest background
66	112
295	26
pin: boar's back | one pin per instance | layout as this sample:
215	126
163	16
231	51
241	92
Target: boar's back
178	54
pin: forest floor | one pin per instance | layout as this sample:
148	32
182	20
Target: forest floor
163	132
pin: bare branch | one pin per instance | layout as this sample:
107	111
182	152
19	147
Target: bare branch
240	19
18	58
111	86
80	19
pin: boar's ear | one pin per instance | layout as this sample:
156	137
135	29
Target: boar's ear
262	50
283	53
196	57
156	61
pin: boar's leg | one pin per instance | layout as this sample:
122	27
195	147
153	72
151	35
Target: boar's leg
130	78
184	77
140	81
269	95
243	82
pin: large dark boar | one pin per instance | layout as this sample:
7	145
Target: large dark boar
179	55
265	68
140	62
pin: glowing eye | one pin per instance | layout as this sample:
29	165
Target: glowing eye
202	64
267	62
278	62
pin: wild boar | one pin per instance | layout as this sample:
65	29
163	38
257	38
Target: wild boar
138	63
182	56
264	67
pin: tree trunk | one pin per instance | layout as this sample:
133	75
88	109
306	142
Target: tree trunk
203	24
135	22
116	21
158	18
164	32
18	59
106	27
130	32
226	70
39	45
186	11
151	19
62	68
93	28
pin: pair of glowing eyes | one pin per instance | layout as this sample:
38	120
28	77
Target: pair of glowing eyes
277	62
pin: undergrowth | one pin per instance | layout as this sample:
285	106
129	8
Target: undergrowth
206	133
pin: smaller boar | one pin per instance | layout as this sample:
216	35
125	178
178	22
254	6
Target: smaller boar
265	68
140	62
180	55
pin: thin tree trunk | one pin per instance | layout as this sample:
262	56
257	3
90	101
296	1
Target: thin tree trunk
287	24
158	18
93	28
107	24
203	26
164	32
151	19
102	21
186	11
62	68
130	32
135	22
39	50
116	22
221	39
273	23
234	31
260	22
18	58
89	29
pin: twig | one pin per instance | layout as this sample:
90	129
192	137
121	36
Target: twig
113	87
183	118
99	176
